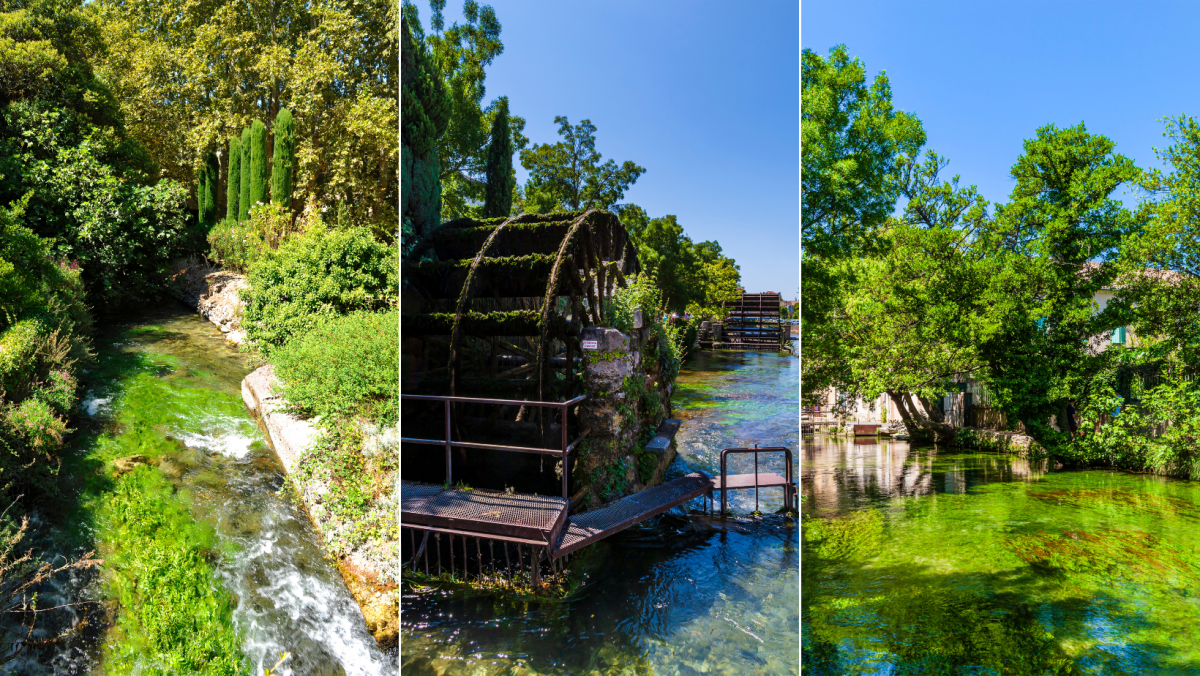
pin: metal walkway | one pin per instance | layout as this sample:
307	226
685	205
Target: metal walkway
589	527
516	517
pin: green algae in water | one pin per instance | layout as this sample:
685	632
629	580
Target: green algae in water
173	615
985	565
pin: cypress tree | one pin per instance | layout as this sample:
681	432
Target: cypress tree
285	159
233	186
201	192
244	197
425	108
500	176
258	163
208	207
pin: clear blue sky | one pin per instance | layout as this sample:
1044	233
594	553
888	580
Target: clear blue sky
704	95
984	76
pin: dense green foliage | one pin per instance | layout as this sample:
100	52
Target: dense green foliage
851	142
284	162
44	326
190	75
693	277
209	189
501	180
344	367
461	53
259	168
426	113
1013	299
233	183
569	176
244	202
320	273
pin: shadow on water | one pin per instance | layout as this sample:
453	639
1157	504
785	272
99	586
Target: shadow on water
166	386
920	560
681	595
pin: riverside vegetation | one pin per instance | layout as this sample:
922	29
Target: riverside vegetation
100	148
950	287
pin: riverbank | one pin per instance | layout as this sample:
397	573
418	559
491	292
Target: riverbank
369	565
209	568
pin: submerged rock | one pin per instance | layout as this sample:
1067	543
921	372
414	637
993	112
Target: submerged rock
126	464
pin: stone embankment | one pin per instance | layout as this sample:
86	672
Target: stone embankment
370	571
213	293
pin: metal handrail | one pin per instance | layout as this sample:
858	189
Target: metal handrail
449	443
787	489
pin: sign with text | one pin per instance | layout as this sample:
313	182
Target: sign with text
590	344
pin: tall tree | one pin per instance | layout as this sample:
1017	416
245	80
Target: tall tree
259	168
190	74
208	207
501	179
233	183
285	159
1059	237
244	188
851	142
462	53
569	176
426	114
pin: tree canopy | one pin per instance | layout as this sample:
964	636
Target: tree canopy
569	175
191	75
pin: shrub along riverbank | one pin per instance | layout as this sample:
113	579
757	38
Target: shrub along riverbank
320	305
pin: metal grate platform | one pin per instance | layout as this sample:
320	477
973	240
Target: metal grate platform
584	529
666	432
519	515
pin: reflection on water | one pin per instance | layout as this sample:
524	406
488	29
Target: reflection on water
679	596
920	560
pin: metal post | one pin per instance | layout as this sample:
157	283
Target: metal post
724	487
451	555
756	477
564	449
438	539
449	478
479	554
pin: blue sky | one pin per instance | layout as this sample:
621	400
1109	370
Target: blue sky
704	95
984	76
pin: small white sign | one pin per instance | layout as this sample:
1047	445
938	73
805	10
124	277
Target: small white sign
591	344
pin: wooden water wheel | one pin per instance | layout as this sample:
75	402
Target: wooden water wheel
500	302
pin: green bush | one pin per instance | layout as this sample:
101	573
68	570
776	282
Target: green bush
237	244
344	368
319	274
95	207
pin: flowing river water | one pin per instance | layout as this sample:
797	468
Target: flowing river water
167	386
920	560
680	596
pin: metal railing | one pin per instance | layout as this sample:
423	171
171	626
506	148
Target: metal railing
788	489
449	443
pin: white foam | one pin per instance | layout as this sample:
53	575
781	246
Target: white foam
228	443
92	404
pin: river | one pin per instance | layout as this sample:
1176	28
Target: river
679	596
928	560
167	386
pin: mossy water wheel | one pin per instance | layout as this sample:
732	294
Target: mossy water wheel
504	301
